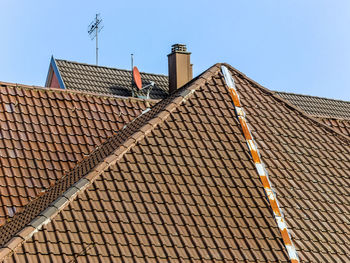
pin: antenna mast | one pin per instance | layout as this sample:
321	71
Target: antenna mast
94	28
132	75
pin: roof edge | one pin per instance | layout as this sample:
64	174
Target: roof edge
49	74
87	180
102	95
98	66
289	104
310	96
277	93
58	73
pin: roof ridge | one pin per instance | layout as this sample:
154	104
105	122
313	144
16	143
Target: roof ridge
44	208
87	94
289	104
260	166
97	66
311	96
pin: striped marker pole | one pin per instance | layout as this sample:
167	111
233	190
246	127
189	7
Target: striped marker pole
260	167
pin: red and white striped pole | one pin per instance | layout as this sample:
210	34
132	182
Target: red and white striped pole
260	167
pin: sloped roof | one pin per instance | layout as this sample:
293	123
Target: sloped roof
105	80
178	184
342	126
44	133
334	113
167	198
319	107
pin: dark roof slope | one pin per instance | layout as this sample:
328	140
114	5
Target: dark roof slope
178	184
186	191
319	107
104	80
46	132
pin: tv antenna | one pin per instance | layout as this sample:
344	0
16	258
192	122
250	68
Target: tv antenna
94	28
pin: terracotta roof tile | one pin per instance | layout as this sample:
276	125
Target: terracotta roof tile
188	191
175	220
334	113
340	125
322	158
48	132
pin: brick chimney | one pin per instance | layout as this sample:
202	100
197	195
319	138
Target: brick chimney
180	67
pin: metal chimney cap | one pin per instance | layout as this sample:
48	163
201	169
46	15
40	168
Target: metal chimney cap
178	48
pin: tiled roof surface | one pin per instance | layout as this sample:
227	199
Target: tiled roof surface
319	107
185	187
334	113
45	132
342	126
104	80
310	168
183	193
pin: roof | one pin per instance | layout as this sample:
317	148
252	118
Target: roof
319	107
335	113
179	184
44	133
105	80
342	126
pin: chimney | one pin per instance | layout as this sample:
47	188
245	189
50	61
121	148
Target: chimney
180	67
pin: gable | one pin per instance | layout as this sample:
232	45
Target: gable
54	81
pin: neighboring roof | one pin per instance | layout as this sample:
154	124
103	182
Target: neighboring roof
342	126
334	113
319	107
178	184
44	133
105	80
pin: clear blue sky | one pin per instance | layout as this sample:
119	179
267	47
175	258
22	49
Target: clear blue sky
300	46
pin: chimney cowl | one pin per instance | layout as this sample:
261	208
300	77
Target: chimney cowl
180	67
179	48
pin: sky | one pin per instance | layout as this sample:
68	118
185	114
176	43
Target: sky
299	46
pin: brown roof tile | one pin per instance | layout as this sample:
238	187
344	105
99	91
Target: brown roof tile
149	211
309	169
334	113
111	81
319	107
47	132
340	125
188	190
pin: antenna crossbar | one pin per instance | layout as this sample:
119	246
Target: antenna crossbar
94	28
